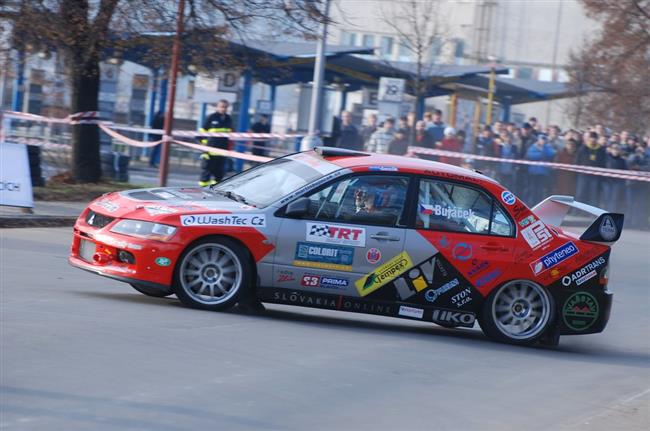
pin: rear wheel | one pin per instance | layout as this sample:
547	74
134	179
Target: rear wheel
213	274
519	312
152	291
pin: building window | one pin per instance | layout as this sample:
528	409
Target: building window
404	52
545	75
368	40
386	47
190	89
525	73
459	48
436	49
348	38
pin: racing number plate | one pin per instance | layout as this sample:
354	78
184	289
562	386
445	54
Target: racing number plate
87	250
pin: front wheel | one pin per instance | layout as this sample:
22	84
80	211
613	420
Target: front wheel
519	312
213	274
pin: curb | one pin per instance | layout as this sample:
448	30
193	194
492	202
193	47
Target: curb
36	221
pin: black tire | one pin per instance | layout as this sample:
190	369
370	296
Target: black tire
517	301
152	291
206	265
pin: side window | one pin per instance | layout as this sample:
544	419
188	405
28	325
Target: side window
453	207
366	199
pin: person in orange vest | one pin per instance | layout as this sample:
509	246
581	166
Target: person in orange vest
213	167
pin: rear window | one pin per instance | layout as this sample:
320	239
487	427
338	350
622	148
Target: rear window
447	206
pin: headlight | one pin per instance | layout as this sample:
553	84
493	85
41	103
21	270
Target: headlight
144	229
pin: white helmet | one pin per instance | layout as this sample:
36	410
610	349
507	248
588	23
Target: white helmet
450	131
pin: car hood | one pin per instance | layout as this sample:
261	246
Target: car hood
165	203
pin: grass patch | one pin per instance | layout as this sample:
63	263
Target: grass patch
62	190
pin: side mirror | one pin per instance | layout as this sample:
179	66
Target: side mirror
297	208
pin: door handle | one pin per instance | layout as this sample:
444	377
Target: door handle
491	246
384	236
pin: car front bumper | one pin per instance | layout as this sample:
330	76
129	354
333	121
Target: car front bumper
99	252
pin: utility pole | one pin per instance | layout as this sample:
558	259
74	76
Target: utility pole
169	114
556	41
317	88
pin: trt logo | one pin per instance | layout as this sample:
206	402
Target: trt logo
336	234
345	233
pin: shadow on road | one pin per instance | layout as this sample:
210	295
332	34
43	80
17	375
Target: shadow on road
571	348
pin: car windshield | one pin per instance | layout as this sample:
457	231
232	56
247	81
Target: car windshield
267	183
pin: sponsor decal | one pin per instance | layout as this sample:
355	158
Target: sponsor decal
584	274
9	186
607	228
331	302
285	276
407	311
163	261
553	258
527	221
432	294
383	168
224	220
508	198
488	278
419	278
326	282
117	243
462	297
580	311
454	317
335	234
383	274
373	255
462	251
444	242
478	266
324	256
537	234
445	211
154	210
107	205
317	183
309	280
518	209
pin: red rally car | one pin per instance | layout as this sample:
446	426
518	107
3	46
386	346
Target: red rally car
359	232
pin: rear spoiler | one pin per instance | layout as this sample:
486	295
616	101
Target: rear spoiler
606	228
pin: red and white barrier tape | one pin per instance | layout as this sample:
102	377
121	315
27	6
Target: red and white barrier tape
222	152
614	173
92	117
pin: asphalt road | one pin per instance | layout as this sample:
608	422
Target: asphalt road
81	352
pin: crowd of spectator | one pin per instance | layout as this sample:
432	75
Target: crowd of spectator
597	146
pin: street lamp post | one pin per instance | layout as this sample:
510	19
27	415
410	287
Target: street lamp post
317	89
169	114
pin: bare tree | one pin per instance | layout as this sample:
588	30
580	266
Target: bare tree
419	28
613	66
82	31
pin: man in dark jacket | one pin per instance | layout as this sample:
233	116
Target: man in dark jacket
590	154
213	165
157	123
349	136
261	126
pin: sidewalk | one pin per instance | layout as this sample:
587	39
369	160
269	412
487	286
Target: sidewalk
44	214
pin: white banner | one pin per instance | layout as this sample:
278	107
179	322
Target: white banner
15	178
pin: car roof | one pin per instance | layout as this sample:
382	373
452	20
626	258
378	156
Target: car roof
352	159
